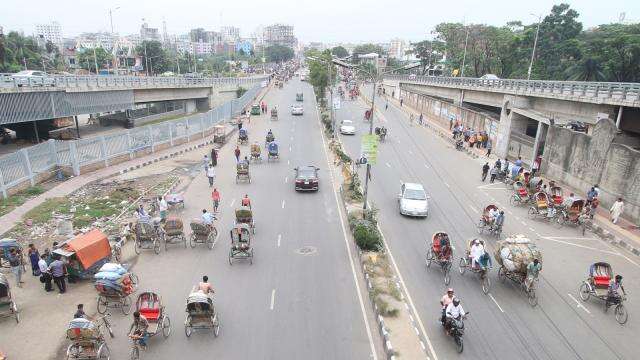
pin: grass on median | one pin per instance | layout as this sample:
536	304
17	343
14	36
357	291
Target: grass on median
7	205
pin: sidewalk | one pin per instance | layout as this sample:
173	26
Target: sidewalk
624	234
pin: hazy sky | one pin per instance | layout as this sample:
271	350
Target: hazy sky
318	20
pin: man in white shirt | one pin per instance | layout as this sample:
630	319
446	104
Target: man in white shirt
453	311
163	207
44	270
477	249
207	217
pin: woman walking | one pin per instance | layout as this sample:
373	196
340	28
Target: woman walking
34	257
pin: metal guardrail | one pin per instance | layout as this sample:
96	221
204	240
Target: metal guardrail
8	82
26	164
586	91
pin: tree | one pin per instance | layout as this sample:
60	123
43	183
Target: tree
154	57
428	52
87	60
340	52
367	49
319	70
587	69
278	53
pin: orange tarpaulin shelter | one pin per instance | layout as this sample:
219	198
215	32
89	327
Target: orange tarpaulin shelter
90	247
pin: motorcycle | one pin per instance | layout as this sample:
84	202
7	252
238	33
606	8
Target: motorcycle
457	330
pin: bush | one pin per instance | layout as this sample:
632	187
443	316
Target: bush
367	237
240	91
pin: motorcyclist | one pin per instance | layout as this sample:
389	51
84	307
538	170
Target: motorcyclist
444	302
453	311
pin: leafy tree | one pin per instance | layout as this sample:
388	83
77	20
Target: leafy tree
367	49
340	52
87	60
155	57
587	69
278	53
428	52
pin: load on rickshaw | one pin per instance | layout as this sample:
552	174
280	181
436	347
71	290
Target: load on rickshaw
598	285
381	132
572	214
244	215
5	248
514	255
150	306
242	172
466	263
85	254
441	253
243	136
202	233
274	114
488	221
201	314
87	341
174	201
174	232
256	153
240	243
272	149
114	284
520	194
149	235
540	205
8	306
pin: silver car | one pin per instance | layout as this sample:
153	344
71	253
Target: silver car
32	78
413	200
297	110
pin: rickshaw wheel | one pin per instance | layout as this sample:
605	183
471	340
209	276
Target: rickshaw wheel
447	275
192	241
486	284
531	296
501	274
532	212
184	240
135	353
429	257
251	257
103	352
188	330
462	266
621	314
125	306
230	257
560	221
73	351
166	326
480	227
101	305
156	246
211	238
136	246
584	292
513	200
216	325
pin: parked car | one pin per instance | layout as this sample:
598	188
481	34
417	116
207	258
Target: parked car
577	126
306	178
347	127
32	78
297	110
413	200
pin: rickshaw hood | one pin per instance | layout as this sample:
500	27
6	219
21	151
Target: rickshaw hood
90	247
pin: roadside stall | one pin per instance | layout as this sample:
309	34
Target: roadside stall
85	254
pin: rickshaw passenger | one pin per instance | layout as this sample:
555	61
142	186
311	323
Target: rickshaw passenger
207	217
445	251
477	249
493	213
499	221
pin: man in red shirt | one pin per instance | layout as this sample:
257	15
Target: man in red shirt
215	196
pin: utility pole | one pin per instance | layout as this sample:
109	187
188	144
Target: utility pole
113	46
464	57
368	175
95	59
146	58
533	52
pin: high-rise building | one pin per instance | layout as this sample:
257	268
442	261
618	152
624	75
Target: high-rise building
147	33
279	34
50	32
230	34
397	48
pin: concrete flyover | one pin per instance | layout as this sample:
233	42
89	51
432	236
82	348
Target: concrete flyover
62	96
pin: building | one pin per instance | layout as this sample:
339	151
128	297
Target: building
279	34
50	32
147	33
244	46
202	48
397	48
96	40
230	34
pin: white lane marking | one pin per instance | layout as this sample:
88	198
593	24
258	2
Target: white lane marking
474	209
289	147
494	300
283	204
233	201
406	291
388	165
578	305
273	298
490	187
292	138
287	162
518	218
286	179
279	238
508	212
374	354
427	166
447	185
423	347
523	223
532	229
410	152
578	245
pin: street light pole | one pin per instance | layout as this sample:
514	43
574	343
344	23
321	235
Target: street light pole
533	52
368	175
464	57
95	59
113	46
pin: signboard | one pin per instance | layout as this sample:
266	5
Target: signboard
336	103
369	148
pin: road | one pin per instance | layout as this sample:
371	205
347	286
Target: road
502	324
290	304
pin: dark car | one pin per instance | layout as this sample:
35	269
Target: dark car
306	178
577	126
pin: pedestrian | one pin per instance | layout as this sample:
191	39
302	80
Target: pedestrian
485	171
386	105
57	270
34	256
519	161
472	141
597	190
393	94
411	119
494	173
239	124
45	276
401	101
211	174
205	162
15	261
535	167
616	210
214	157
215	196
420	119
162	207
489	149
591	194
452	118
237	153
479	139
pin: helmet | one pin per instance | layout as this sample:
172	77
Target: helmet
450	290
456	301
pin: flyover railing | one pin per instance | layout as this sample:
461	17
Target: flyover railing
9	81
587	90
27	164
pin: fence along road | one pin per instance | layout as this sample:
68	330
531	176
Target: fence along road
26	164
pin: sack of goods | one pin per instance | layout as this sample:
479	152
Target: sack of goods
516	252
114	276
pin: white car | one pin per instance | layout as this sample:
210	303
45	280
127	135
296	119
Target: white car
33	78
413	200
297	110
347	127
303	77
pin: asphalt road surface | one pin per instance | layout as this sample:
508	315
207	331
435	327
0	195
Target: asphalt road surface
299	299
502	324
